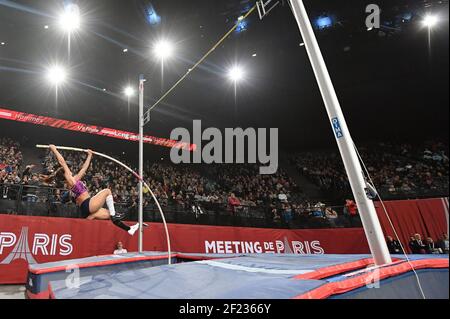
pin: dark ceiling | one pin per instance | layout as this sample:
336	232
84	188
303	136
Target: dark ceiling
391	84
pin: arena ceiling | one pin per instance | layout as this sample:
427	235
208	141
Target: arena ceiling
390	81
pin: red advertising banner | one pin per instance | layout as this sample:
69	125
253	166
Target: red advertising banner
25	239
90	129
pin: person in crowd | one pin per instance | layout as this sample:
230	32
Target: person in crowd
350	209
287	213
431	247
351	212
233	203
27	173
417	246
443	243
32	188
50	180
119	249
317	211
275	215
332	216
282	197
394	246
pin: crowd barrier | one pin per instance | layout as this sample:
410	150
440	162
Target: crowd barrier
28	240
46	202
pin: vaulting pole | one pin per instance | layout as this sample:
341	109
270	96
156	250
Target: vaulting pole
141	163
140	178
366	208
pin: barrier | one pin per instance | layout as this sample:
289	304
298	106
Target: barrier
27	239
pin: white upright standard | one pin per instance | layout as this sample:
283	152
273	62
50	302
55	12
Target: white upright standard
141	163
369	218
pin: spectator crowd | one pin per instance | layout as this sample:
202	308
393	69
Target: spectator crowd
395	169
419	246
240	189
10	161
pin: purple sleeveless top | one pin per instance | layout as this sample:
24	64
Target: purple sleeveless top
78	189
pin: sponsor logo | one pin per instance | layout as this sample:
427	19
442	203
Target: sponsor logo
29	118
41	245
257	247
337	128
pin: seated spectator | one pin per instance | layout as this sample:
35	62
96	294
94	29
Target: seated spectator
26	174
417	246
282	197
120	250
431	248
31	191
317	211
443	243
233	203
394	246
350	208
287	213
276	216
332	216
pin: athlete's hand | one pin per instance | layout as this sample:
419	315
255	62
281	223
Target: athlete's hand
90	153
52	148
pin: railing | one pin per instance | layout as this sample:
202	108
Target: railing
45	201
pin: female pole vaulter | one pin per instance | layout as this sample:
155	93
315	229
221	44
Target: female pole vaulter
92	207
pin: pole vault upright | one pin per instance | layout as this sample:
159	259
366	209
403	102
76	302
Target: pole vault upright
369	218
141	163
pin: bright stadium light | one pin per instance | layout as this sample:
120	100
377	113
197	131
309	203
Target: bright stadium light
163	49
430	21
236	74
56	75
128	91
69	20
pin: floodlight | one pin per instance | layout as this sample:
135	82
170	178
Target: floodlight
163	49
56	75
236	74
430	20
70	18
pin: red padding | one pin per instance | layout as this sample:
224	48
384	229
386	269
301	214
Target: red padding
338	269
115	262
41	295
340	287
99	264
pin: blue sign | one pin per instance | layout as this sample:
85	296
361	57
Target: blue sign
337	128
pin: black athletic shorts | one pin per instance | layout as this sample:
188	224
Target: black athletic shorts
84	207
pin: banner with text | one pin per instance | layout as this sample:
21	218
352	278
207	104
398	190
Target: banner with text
90	129
25	240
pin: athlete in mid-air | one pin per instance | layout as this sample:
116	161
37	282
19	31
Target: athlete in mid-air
91	207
